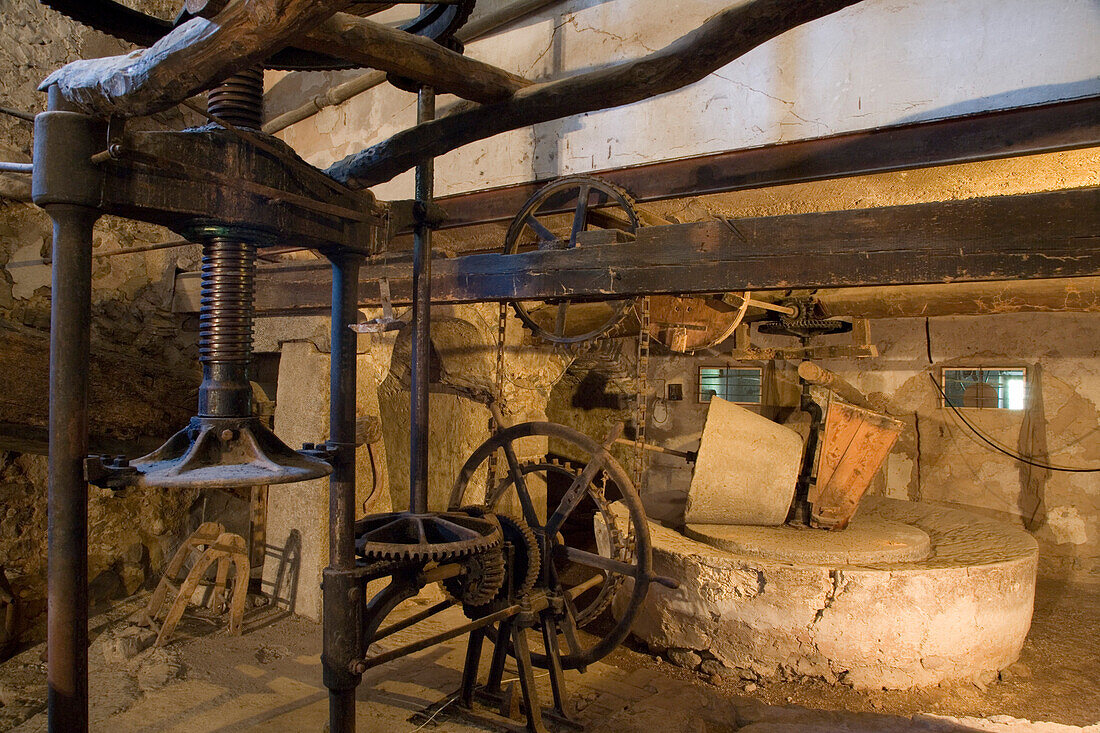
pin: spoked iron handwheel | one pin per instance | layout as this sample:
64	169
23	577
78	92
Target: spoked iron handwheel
556	218
604	547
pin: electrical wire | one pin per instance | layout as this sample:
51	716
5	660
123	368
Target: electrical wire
998	447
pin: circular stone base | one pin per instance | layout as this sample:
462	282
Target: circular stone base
961	612
866	540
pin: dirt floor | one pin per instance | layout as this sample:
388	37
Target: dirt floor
270	680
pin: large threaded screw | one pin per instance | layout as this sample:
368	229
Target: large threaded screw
239	99
225	326
229	276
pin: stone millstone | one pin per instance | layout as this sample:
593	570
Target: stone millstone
746	469
959	614
866	540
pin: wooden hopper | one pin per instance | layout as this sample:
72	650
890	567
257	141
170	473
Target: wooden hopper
855	444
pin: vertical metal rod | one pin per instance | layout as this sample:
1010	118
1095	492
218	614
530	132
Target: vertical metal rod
68	187
341	614
67	583
342	408
421	325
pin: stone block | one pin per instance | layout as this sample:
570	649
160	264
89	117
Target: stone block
746	469
685	658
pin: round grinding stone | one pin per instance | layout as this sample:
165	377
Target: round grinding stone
866	540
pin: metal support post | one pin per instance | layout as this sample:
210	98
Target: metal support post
421	326
342	589
67	186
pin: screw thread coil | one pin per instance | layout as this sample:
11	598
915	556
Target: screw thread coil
226	315
239	99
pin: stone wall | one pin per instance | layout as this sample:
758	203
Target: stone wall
129	536
938	459
464	342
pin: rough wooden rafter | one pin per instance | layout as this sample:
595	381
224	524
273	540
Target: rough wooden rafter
380	47
723	38
190	59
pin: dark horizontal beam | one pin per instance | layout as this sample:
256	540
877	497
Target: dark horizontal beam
1001	134
1040	235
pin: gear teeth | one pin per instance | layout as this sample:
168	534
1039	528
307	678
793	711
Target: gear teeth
386	537
534	554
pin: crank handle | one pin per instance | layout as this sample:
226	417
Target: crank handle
664	580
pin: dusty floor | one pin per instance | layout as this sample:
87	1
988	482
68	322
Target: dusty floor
270	680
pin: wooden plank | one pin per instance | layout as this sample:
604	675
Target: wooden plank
190	59
1041	235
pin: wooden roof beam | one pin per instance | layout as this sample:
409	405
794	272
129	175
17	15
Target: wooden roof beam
377	46
1052	234
189	60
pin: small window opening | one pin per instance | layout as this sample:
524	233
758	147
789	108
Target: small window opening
733	384
986	388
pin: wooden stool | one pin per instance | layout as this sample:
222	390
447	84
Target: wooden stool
219	546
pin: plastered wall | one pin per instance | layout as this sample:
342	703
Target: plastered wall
877	63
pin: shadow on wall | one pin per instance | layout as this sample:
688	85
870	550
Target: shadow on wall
1013	98
461	356
283	590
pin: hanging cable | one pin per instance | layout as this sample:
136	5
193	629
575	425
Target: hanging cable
997	446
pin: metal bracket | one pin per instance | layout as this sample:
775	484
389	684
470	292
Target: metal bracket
108	472
387	322
325	451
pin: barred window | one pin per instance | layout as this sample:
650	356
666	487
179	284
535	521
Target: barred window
991	388
733	384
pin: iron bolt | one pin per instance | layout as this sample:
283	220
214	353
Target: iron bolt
228	435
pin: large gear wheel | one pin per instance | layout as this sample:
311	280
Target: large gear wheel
437	21
544	222
438	536
620	543
585	560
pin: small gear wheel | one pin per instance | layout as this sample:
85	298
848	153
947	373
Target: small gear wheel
528	553
473	589
482	581
809	320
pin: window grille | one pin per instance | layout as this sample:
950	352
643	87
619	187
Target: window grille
733	384
984	387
